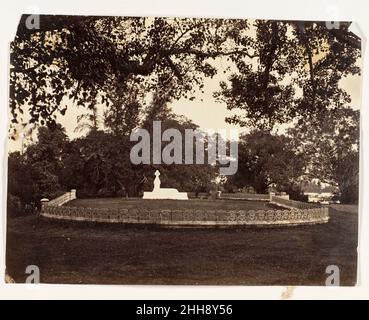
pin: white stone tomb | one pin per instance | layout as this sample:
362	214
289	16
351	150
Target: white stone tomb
164	193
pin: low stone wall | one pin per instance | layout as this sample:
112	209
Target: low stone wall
285	202
293	213
188	217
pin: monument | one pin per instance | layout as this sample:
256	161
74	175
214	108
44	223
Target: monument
164	193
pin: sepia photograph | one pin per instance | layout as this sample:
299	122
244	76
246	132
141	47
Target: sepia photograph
148	150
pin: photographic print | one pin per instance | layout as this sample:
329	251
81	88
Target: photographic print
183	151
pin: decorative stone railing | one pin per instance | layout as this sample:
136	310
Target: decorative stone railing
291	204
59	201
188	217
293	213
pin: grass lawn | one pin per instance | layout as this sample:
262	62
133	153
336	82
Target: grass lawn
172	204
115	254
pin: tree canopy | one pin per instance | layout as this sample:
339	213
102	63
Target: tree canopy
275	72
331	147
266	161
279	70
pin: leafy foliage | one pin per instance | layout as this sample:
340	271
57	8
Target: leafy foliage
37	173
89	59
279	72
294	71
284	69
331	146
265	161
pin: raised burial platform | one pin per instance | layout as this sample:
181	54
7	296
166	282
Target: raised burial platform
192	213
164	193
160	208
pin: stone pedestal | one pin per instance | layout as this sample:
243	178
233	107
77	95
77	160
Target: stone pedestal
166	193
271	195
44	202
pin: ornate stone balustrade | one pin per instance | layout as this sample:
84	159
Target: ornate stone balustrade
297	213
292	204
189	217
59	201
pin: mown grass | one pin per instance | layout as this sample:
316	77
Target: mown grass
172	204
116	254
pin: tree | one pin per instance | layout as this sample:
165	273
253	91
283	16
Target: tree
21	186
280	71
294	71
85	58
267	160
82	57
44	159
89	121
331	145
124	113
38	172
